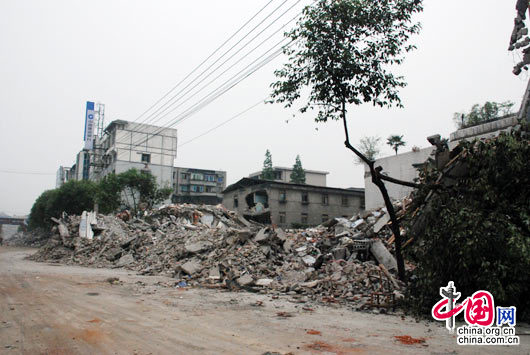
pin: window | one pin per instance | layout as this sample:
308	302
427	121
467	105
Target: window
362	203
197	188
305	197
236	202
184	188
345	200
209	178
282	217
199	177
210	189
146	158
325	199
283	196
325	218
304	218
184	176
220	179
277	175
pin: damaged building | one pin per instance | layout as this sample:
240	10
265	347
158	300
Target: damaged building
290	205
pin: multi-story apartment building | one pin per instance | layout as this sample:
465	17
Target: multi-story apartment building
312	177
64	174
198	186
126	145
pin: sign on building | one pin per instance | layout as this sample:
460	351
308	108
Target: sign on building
89	125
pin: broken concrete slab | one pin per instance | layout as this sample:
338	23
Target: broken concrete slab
125	260
191	267
309	260
382	255
197	247
262	235
381	222
264	282
245	280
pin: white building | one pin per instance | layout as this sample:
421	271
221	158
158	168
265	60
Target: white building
126	145
63	175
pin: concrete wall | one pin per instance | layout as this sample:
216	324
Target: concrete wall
398	166
293	207
485	130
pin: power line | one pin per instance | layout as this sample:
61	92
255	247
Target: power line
207	99
205	60
221	90
224	122
227	51
25	172
155	116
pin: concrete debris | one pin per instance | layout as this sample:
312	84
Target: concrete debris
382	255
340	261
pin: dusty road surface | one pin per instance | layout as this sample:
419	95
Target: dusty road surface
56	309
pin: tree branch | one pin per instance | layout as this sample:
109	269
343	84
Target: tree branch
397	181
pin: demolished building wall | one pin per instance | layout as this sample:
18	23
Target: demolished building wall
292	204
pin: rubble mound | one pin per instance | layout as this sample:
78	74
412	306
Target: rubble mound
342	260
34	239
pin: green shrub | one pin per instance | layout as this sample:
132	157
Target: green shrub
476	232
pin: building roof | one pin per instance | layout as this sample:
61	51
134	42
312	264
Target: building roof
246	182
291	169
196	170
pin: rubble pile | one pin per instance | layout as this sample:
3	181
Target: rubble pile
34	239
342	260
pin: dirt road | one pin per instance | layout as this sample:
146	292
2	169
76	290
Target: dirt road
56	309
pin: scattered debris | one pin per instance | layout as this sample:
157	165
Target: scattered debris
341	261
313	332
408	340
284	314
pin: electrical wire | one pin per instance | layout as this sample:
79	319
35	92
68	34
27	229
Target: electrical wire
205	60
207	99
223	123
157	116
25	172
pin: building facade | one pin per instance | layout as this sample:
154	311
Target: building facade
198	186
312	177
64	174
127	145
291	205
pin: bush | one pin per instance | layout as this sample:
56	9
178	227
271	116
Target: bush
128	189
73	197
476	232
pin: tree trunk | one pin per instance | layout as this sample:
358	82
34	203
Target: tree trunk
376	179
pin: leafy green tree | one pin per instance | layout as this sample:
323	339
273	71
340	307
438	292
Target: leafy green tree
298	173
341	53
39	216
141	190
369	147
395	142
73	197
109	193
267	173
478	114
476	231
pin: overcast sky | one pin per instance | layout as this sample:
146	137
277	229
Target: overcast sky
56	55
